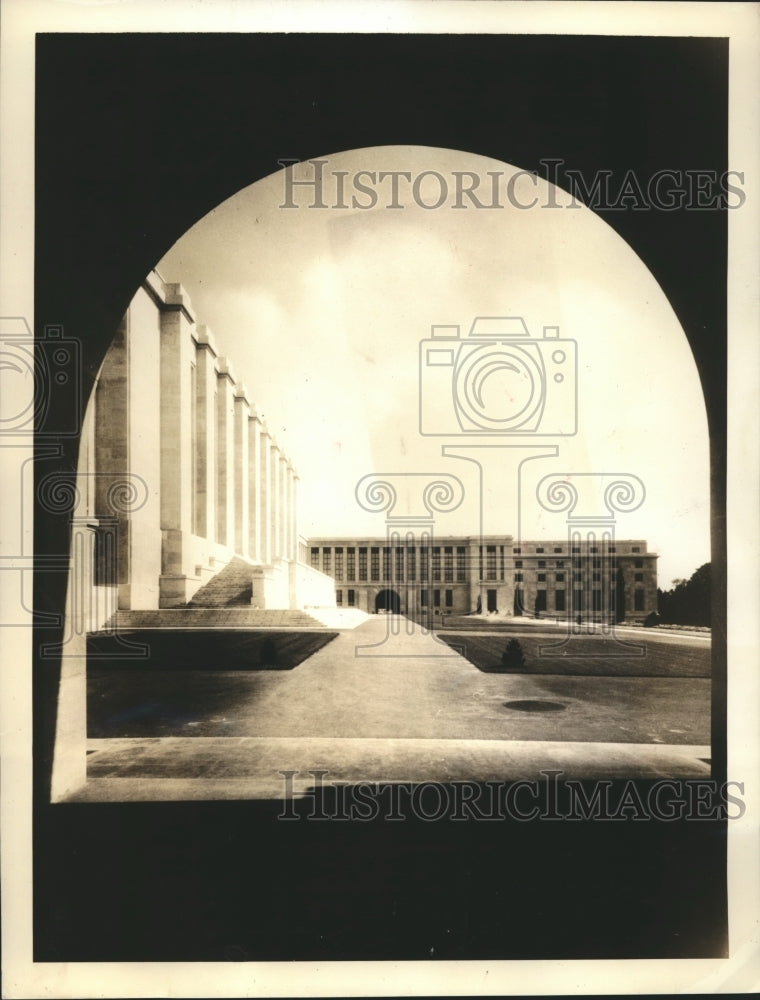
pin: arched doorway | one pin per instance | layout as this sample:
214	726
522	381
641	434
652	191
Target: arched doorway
388	601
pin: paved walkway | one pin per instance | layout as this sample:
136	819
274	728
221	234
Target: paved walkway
409	685
377	704
219	768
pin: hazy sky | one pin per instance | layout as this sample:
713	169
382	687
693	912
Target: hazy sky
322	312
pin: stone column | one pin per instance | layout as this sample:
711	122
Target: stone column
265	495
254	484
276	502
225	456
284	520
241	413
293	507
205	416
177	357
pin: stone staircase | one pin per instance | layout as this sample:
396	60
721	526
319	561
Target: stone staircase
231	587
211	618
224	602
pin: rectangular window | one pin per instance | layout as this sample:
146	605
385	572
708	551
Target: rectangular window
638	577
518	563
517	551
558	549
576	576
635	548
559	600
638	563
578	599
362	565
386	563
399	564
501	562
460	564
541	563
351	564
374	563
339	564
540	600
315	558
339	597
448	564
638	600
518	577
449	598
611	548
593	549
576	549
411	564
436	562
560	564
596	598
351	598
596	577
424	562
437	598
539	548
542	577
490	562
596	563
423	599
559	577
326	553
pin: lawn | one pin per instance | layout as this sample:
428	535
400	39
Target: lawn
201	649
587	655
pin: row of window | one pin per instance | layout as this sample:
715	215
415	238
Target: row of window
430	563
448	597
578	600
540	601
559	549
577	576
429	560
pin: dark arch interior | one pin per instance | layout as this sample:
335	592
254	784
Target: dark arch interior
139	136
388	600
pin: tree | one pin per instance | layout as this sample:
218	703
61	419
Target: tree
513	658
688	602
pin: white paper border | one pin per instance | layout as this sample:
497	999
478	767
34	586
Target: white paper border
739	973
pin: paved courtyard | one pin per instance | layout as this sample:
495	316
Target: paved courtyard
379	703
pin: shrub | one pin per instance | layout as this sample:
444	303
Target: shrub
513	657
651	620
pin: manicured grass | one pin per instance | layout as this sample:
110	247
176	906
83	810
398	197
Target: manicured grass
212	649
587	655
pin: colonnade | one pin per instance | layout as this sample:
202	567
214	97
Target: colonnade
170	411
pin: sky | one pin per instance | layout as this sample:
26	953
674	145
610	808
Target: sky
322	312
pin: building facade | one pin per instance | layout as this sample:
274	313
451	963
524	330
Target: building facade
178	473
598	579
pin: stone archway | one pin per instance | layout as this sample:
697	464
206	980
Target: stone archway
388	601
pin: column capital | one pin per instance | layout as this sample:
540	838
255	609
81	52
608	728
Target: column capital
224	369
204	339
241	392
435	492
176	297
